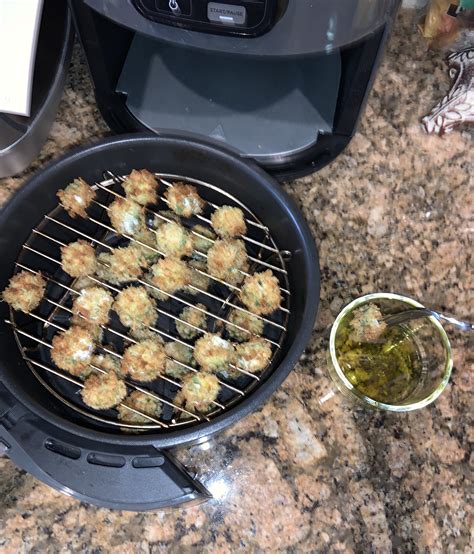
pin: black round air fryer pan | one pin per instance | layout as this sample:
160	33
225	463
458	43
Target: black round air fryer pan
107	467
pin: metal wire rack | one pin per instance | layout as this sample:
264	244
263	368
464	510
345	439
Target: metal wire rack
34	331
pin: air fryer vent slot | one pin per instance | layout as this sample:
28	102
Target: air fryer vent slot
62	449
107	460
148	461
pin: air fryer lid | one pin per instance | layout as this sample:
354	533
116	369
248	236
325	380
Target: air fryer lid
174	155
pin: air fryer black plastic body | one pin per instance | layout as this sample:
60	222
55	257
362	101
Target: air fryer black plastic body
129	477
108	40
73	453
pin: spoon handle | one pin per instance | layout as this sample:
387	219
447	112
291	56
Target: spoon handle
407	315
464	325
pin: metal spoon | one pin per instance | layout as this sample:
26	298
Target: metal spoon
407	315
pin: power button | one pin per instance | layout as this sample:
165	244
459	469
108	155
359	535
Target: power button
174	7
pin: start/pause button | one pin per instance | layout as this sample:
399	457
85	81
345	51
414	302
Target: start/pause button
228	14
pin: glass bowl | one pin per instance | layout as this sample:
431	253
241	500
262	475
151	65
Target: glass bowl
427	337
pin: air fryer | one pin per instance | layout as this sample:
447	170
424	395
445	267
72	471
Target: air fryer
282	81
44	426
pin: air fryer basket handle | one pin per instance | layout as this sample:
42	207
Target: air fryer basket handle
145	479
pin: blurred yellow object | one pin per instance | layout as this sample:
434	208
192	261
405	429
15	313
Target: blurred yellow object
438	27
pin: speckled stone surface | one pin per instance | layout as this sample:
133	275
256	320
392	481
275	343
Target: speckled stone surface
391	213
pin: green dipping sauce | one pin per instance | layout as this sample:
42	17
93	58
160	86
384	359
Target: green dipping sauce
388	370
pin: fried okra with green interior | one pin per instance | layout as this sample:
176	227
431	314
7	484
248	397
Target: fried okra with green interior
164	216
253	355
72	350
261	293
78	258
367	324
213	353
247	321
198	392
184	200
141	402
135	308
152	289
144	361
94	304
170	274
94	327
229	222
103	391
147	245
198	277
105	272
194	316
126	216
172	239
142	333
25	291
178	352
121	265
107	362
76	198
202	244
141	187
227	259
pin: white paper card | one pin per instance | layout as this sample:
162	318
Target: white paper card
19	26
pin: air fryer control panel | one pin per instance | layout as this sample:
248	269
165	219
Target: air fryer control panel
231	17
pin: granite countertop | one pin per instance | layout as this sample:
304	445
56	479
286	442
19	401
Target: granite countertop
391	213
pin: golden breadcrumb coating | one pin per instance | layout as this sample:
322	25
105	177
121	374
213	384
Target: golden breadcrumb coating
367	324
172	239
227	259
94	304
126	216
135	308
76	197
141	187
142	402
103	391
213	353
121	265
193	316
144	361
78	258
245	320
184	200
25	291
142	333
73	349
253	355
107	362
197	279
261	293
170	274
198	392
229	222
178	352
